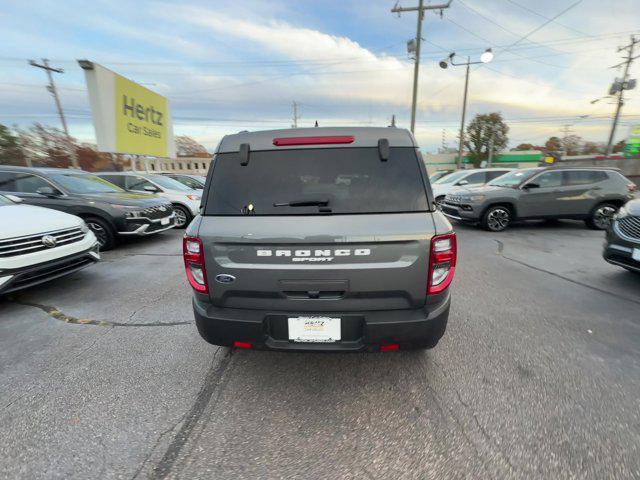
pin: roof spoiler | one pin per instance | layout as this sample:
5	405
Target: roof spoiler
383	149
243	151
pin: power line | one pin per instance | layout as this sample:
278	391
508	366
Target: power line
547	18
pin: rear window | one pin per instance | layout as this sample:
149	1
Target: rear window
340	180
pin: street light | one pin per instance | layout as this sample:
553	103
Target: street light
486	57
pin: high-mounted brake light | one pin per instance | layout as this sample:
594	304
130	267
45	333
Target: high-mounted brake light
194	264
327	140
442	262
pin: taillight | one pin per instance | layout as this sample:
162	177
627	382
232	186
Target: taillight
194	264
442	262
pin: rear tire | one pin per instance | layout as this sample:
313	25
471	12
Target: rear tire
183	216
496	218
103	232
601	216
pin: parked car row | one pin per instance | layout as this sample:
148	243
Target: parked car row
56	221
590	194
622	246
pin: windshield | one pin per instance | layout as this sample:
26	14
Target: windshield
82	183
452	177
168	183
513	179
332	180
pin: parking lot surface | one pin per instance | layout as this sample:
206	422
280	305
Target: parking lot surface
103	375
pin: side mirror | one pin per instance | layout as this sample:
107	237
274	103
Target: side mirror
13	198
48	191
530	185
463	182
150	188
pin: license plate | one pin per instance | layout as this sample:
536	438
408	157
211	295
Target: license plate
636	254
165	221
314	329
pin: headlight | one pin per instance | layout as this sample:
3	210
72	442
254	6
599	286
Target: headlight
622	212
472	198
194	197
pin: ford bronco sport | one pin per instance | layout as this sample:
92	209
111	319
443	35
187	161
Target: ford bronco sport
320	239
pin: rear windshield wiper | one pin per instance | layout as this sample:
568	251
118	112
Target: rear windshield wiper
303	203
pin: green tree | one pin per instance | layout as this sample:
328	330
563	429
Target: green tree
480	132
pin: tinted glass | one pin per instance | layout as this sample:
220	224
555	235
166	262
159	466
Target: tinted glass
492	175
515	178
452	177
549	179
351	180
168	183
476	178
85	183
115	179
584	177
137	183
21	182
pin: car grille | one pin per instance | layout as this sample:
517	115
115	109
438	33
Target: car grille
49	271
453	199
159	211
33	243
630	226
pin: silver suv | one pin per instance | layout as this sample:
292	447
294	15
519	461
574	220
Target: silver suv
590	194
320	239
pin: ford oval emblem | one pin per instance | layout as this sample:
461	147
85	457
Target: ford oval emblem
224	278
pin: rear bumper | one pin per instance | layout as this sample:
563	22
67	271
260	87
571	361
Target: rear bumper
28	276
361	331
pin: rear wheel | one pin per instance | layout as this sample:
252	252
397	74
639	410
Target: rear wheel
183	216
103	232
601	216
496	218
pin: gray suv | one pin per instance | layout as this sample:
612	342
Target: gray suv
590	194
322	239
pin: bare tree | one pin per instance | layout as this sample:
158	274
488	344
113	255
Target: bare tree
188	147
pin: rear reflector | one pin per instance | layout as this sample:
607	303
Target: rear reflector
291	141
237	344
390	347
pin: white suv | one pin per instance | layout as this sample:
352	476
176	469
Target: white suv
185	200
471	178
40	244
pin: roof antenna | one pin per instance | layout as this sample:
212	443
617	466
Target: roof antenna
393	120
316	123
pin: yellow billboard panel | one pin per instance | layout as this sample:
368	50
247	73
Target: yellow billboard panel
128	118
141	119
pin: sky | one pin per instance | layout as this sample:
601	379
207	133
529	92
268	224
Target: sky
227	66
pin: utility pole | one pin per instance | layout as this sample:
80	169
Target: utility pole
464	113
622	87
416	66
295	115
566	130
52	89
490	161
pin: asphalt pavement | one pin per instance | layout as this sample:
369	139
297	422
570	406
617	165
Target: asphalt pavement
103	375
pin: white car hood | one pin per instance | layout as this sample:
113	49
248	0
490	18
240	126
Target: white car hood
21	220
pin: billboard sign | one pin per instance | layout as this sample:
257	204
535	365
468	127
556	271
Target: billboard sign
632	145
128	118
